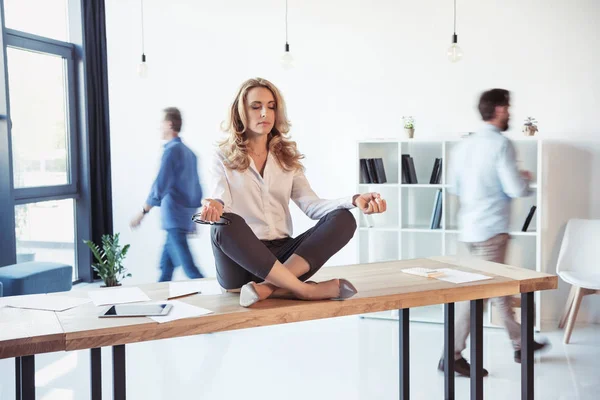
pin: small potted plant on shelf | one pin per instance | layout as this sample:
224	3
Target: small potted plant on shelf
530	126
109	259
409	126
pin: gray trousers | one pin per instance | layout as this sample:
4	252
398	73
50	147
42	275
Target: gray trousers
241	257
493	249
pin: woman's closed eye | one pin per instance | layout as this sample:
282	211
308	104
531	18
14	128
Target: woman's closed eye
257	107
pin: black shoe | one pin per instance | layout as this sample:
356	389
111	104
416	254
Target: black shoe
461	367
536	347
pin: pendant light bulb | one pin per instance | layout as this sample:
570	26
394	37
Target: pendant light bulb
287	60
142	69
454	51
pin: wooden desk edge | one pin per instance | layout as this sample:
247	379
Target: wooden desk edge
31	346
549	282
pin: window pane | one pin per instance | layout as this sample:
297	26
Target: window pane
45	231
40	17
37	92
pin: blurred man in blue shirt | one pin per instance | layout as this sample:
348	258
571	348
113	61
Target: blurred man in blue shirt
177	192
483	173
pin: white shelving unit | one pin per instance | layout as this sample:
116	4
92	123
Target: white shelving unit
403	232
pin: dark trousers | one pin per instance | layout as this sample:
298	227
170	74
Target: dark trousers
177	252
241	257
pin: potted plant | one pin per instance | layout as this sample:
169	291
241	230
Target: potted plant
409	126
109	259
530	126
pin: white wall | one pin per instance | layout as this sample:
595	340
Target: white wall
360	65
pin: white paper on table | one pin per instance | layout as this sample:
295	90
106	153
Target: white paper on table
425	272
112	296
44	302
183	288
181	310
456	276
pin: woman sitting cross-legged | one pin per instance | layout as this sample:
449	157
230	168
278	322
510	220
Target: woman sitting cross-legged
256	171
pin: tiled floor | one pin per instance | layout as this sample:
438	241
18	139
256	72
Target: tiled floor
346	358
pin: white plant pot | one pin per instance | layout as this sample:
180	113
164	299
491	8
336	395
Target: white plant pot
409	132
529	130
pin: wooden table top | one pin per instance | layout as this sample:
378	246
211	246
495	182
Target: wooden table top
29	332
381	286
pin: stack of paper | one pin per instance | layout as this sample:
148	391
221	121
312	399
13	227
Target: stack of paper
43	302
426	272
456	276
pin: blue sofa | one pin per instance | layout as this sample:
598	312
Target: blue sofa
35	277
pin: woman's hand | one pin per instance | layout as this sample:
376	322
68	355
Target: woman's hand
370	203
212	210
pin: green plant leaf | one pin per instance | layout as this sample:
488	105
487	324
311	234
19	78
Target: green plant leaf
109	258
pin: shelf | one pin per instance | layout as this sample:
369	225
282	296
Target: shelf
378	229
532	186
519	233
421	229
378	140
392	185
421	185
515	233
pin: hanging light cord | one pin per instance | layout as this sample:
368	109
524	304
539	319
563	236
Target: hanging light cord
142	4
455	17
286	21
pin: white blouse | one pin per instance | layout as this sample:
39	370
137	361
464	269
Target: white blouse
263	201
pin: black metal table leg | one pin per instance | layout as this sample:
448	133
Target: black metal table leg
476	349
18	377
96	373
25	377
404	355
119	372
527	346
449	351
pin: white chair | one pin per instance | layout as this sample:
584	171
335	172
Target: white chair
579	264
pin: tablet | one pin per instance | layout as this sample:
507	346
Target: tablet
136	310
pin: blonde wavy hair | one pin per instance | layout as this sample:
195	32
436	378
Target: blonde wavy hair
235	146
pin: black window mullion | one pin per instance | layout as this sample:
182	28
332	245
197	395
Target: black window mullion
8	243
33	195
37	43
72	129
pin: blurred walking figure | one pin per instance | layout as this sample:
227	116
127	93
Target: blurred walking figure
483	173
178	193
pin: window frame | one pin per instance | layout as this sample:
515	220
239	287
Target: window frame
78	187
28	42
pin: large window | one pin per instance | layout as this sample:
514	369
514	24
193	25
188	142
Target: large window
44	135
37	81
48	18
